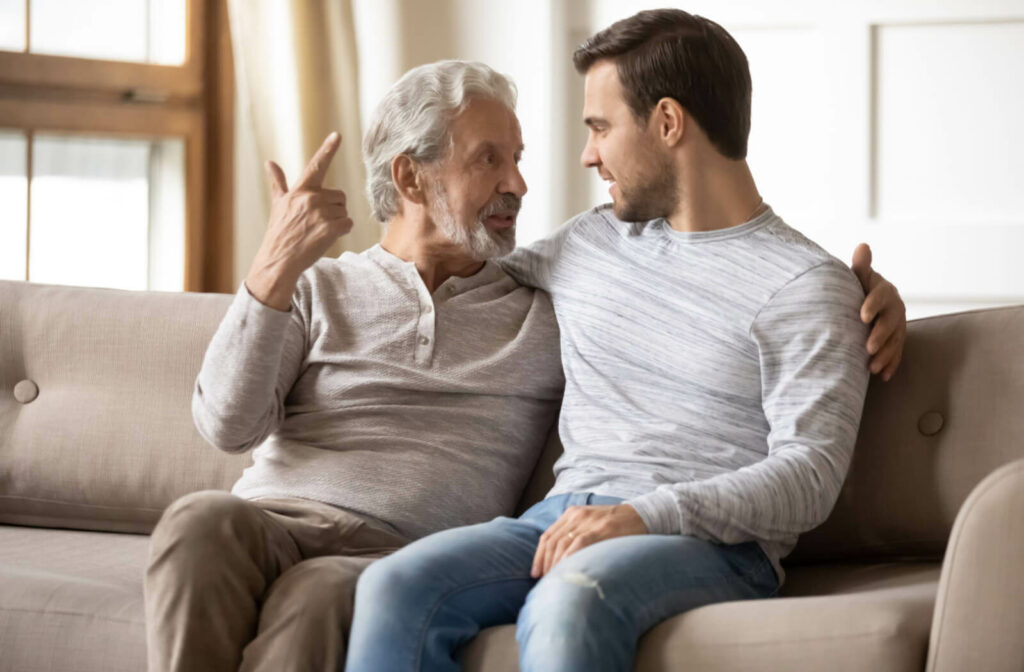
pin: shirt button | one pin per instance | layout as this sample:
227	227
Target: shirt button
424	341
428	308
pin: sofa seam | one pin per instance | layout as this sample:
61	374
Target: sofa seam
67	503
71	613
776	642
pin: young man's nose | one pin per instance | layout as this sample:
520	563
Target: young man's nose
590	158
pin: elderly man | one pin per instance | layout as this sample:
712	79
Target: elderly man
715	374
391	394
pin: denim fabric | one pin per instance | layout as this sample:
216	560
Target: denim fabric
416	608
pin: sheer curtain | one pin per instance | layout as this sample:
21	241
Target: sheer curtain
297	77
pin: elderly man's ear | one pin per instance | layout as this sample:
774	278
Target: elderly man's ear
410	179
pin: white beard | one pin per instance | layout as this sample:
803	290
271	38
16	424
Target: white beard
480	243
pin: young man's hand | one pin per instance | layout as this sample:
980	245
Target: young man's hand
581	526
886	309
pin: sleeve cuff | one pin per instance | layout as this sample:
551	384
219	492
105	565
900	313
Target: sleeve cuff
246	311
244	289
658	510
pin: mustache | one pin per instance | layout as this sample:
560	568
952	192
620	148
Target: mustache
503	203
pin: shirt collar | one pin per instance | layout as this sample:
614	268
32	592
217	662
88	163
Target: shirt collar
490	271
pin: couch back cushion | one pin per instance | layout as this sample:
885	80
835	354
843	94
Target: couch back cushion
95	423
96	430
952	414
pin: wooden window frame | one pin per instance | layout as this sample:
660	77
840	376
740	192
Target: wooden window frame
193	101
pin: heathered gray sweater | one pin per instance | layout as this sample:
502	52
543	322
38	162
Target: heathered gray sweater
419	412
713	379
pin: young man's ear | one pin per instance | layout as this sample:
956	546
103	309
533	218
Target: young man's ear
670	118
408	178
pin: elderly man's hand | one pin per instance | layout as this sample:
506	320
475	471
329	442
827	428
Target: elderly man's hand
304	222
581	526
886	309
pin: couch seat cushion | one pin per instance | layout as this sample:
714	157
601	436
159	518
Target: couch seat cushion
71	600
835	617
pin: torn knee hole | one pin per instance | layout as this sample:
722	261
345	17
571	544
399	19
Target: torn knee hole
581	579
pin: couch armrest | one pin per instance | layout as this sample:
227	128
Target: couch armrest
979	613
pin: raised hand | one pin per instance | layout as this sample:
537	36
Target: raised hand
304	222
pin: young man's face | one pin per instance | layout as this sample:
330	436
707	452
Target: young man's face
479	189
624	152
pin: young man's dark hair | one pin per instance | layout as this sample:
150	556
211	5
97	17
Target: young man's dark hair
668	53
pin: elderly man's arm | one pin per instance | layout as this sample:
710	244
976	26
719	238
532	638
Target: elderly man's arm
249	368
256	355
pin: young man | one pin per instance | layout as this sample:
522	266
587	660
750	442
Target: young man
715	374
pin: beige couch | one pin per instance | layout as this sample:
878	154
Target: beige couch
96	439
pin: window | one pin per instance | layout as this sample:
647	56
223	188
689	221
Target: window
115	143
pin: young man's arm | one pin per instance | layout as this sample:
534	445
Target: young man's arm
534	265
885	309
814	377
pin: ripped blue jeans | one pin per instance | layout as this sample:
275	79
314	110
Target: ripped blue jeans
416	608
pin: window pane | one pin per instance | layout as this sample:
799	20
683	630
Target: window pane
145	31
108	212
12	25
14	197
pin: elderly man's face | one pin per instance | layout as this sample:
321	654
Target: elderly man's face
479	189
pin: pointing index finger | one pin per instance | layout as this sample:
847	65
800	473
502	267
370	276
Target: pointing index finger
313	175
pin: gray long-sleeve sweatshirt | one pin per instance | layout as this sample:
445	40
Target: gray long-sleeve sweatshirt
417	411
715	380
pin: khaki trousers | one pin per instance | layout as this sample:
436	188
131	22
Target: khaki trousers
255	585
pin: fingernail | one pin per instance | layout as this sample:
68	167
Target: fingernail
333	136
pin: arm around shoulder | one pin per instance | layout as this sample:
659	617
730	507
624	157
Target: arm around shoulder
533	265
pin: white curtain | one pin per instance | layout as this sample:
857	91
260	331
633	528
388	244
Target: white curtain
297	76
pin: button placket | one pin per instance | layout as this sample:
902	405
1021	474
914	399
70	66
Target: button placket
425	327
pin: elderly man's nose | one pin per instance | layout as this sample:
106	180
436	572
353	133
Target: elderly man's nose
515	183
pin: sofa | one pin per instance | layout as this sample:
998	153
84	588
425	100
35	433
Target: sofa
918	567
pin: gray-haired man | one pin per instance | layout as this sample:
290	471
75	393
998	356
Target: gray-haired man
392	393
